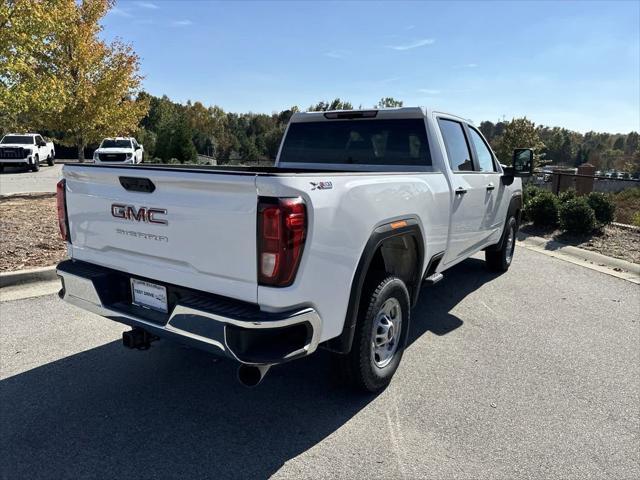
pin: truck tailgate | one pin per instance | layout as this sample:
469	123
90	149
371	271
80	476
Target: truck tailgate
208	242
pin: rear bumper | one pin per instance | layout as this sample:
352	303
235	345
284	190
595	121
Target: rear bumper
235	329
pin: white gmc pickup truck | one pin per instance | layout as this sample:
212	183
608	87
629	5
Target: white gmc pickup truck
328	248
25	150
118	151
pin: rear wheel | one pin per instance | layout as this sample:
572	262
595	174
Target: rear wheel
500	260
380	336
36	164
51	161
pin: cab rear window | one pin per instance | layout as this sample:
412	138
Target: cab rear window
358	142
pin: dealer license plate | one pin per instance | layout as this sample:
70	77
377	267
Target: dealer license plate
149	295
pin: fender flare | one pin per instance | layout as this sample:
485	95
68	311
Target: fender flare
342	343
515	206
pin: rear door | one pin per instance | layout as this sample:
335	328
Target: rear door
195	229
469	205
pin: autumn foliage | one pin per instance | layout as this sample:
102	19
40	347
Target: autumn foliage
57	74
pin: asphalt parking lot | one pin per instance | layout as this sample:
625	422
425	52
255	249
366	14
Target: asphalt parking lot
17	180
531	374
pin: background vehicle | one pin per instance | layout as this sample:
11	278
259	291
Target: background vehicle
119	150
26	149
330	247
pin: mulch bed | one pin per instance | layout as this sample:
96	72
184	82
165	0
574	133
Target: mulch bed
612	241
29	234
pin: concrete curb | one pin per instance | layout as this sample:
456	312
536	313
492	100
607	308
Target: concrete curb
27	276
624	226
593	260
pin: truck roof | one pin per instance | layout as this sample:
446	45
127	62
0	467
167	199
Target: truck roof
400	112
22	134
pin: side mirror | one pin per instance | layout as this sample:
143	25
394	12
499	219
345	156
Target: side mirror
138	147
522	162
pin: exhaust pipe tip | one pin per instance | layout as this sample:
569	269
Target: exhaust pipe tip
252	375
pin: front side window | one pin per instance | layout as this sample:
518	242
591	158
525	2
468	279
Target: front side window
358	142
456	145
113	143
485	158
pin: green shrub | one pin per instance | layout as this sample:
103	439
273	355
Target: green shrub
567	195
529	191
602	206
576	216
627	205
542	209
636	219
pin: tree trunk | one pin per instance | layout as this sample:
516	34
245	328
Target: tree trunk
80	153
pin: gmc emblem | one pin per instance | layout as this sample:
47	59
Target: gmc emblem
143	214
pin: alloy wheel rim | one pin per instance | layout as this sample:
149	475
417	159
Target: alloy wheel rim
511	243
385	335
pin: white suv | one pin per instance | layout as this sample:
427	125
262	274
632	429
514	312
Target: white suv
119	150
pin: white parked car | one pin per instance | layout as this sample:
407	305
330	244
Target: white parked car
119	150
329	248
27	150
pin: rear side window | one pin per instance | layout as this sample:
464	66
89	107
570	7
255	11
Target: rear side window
456	144
358	142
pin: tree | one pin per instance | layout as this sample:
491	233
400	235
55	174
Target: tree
336	104
29	83
182	147
101	80
174	140
519	133
632	143
487	128
389	102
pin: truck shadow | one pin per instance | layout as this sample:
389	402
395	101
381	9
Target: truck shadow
176	412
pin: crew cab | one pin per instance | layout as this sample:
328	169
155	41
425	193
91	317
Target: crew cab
26	150
118	151
330	248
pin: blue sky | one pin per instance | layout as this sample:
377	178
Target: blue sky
572	64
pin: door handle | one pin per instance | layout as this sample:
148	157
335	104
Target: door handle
460	191
490	187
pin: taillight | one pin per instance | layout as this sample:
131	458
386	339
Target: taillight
61	200
282	228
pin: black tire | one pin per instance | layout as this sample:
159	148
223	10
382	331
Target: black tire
36	164
361	366
1	168
51	161
500	260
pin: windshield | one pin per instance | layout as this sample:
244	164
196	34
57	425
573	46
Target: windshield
112	143
361	142
19	139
